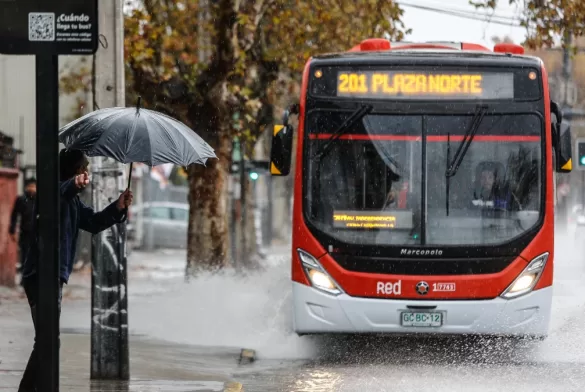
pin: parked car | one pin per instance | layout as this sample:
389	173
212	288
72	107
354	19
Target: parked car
165	224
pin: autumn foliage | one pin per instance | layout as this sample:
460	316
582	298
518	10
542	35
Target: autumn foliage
214	65
546	20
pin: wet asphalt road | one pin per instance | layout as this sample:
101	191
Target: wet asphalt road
211	319
347	363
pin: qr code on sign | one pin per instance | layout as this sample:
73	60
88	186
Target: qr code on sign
41	26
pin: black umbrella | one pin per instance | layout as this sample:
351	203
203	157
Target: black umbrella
131	135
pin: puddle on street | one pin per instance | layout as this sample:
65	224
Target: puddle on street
163	385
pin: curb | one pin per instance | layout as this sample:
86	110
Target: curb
233	387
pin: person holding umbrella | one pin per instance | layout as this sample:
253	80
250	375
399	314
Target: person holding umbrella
75	215
127	135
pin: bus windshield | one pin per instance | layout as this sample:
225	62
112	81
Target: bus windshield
379	185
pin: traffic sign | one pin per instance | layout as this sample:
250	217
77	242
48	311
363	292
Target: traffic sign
64	27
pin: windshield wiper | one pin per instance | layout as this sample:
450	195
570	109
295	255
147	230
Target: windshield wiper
320	153
466	142
351	120
453	166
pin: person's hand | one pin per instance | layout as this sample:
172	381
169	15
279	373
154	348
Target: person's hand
82	180
125	200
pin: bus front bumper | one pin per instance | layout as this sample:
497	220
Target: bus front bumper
316	312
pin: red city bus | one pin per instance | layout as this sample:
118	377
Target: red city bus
423	192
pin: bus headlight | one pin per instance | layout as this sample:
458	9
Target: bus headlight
526	281
317	275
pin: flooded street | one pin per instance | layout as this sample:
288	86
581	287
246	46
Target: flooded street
200	328
214	317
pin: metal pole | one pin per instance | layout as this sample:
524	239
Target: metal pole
567	72
582	192
47	312
244	257
567	65
269	223
257	220
233	231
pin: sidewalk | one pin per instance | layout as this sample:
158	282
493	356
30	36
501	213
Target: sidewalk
154	365
156	284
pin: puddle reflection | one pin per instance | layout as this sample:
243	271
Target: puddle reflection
152	386
318	381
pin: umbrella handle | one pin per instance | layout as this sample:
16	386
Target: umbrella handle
130	175
129	183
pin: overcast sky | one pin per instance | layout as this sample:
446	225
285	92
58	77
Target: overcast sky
430	25
436	26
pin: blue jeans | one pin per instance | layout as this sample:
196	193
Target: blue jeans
31	288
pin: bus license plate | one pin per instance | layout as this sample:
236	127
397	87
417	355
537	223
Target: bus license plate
421	319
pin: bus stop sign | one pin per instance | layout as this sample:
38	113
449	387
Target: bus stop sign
63	27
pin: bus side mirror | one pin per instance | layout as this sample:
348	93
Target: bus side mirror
282	145
556	110
563	153
281	151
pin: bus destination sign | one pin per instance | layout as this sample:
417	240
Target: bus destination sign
425	85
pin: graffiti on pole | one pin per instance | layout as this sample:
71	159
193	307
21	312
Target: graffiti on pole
109	319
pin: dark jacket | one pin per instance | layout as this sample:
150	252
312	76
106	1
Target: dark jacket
74	216
23	207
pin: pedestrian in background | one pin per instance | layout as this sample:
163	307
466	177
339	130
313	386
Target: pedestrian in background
75	215
22	212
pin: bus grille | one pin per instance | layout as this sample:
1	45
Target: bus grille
402	266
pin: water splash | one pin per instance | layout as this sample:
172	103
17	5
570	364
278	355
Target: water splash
228	311
255	312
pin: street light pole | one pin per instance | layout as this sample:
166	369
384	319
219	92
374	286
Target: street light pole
567	69
243	210
568	88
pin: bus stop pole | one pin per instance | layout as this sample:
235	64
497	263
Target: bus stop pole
47	311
